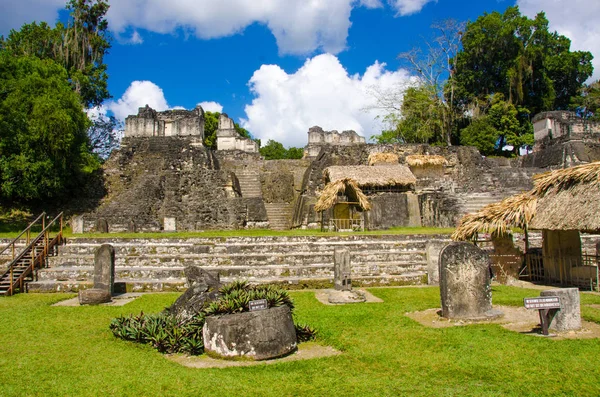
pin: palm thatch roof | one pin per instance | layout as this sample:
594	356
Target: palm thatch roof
365	176
346	186
565	199
383	158
498	218
421	160
568	199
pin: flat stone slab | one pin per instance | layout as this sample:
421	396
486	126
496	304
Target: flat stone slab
306	351
517	319
333	297
117	300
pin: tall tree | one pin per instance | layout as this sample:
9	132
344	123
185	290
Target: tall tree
44	149
79	47
520	58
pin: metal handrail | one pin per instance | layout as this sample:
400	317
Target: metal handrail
23	232
31	248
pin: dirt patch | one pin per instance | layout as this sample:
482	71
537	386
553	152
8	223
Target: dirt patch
516	319
322	296
306	351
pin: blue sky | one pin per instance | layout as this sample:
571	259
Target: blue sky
281	66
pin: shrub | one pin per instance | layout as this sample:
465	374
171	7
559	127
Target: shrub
236	296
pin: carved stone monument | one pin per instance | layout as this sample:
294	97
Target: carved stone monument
568	318
342	280
203	287
104	277
102	226
465	282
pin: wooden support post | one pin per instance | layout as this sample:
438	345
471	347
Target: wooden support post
10	288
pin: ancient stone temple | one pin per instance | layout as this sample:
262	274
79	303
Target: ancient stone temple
148	122
229	139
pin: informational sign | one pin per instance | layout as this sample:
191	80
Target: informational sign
542	302
260	304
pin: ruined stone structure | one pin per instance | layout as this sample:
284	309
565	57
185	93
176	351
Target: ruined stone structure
229	139
563	139
179	122
317	139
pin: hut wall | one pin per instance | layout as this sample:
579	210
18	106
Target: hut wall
561	250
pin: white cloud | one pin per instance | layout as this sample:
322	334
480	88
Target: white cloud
16	13
139	94
408	7
579	20
299	26
320	93
211	106
136	38
371	3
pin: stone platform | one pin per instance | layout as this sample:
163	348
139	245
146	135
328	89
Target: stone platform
294	261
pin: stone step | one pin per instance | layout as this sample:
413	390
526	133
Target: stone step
86	273
243	259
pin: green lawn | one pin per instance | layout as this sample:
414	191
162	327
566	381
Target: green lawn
60	351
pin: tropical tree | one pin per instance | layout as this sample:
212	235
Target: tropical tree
44	149
519	58
274	150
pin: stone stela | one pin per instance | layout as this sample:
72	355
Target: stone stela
260	304
341	270
547	306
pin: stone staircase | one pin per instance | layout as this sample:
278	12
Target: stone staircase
249	183
279	215
473	202
296	261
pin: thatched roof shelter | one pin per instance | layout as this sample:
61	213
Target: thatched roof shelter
365	176
422	160
498	218
568	199
346	186
565	199
383	158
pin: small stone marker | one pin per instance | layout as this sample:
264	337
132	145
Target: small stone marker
259	304
104	277
170	225
547	306
341	270
102	225
77	224
433	250
465	282
131	226
568	318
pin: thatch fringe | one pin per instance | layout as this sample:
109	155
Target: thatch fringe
346	186
380	176
498	218
385	158
564	179
421	160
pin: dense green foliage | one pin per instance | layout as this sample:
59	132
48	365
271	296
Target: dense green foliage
44	149
68	351
211	125
520	58
79	47
274	150
588	103
163	332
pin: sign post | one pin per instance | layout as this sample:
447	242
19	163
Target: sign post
547	307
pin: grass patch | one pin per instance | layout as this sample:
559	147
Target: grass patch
64	351
7	232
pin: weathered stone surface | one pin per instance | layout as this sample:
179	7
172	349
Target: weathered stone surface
258	335
342	280
102	226
568	318
77	224
94	296
343	297
169	225
433	249
465	282
104	268
204	287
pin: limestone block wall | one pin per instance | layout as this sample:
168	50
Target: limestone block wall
179	122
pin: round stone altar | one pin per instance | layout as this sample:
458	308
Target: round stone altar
257	335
